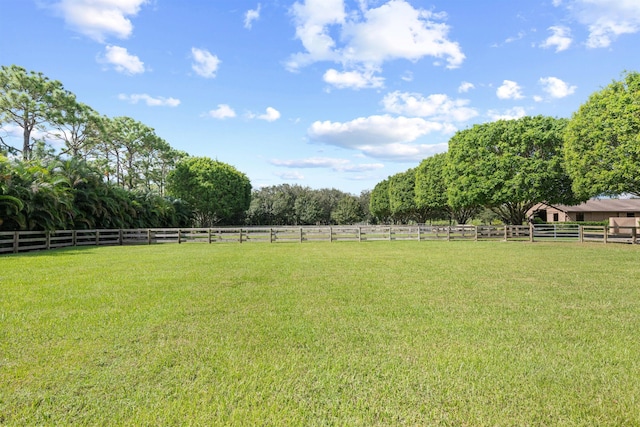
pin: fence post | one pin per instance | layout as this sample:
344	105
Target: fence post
48	234
270	235
580	233
148	236
506	232
331	234
98	238
531	230
179	236
448	233
389	232
475	237
300	234
74	238
359	234
16	242
209	235
634	234
606	234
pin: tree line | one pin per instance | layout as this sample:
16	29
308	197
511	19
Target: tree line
77	169
509	166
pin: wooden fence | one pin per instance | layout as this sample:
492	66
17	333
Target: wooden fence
22	241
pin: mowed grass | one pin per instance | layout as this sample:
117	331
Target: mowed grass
379	333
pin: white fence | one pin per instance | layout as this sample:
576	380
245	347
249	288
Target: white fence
22	241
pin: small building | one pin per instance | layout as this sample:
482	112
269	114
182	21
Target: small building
591	210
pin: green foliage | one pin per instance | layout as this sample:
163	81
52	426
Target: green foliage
218	192
71	194
296	205
30	101
402	199
431	191
602	147
509	166
353	334
348	211
379	205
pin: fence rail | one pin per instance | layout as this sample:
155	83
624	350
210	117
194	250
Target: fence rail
22	241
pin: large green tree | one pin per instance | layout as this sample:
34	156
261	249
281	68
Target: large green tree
31	102
402	199
348	211
602	141
509	166
431	191
379	206
218	192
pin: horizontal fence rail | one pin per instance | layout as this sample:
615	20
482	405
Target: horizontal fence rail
22	241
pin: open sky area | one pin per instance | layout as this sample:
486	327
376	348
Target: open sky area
323	93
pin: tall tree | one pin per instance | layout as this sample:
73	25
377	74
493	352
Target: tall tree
75	124
431	191
402	198
30	101
509	166
602	141
379	202
348	211
218	192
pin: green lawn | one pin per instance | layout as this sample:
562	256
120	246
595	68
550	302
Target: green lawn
379	333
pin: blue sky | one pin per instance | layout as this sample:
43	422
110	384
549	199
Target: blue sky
323	93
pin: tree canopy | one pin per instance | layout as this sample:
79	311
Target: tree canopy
431	191
602	147
218	192
32	102
509	166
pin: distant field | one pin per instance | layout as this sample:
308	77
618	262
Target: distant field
379	333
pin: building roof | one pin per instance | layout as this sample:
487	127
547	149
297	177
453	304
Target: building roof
603	205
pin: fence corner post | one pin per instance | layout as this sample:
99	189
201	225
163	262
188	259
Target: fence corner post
16	241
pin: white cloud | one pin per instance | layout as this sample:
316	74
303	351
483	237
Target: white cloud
271	115
465	87
250	16
122	60
510	114
337	165
556	88
149	100
437	106
560	38
404	152
368	37
222	112
290	176
379	136
352	79
100	19
509	90
605	19
205	64
407	76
